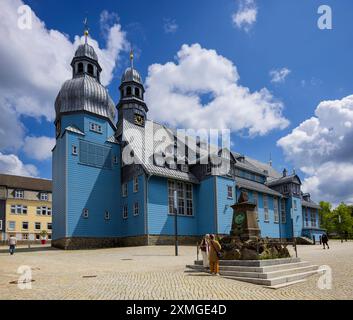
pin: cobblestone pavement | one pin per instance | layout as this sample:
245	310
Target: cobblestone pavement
155	273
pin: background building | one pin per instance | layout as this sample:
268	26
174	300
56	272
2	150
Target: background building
25	207
99	200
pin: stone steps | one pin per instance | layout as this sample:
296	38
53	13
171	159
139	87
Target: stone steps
275	273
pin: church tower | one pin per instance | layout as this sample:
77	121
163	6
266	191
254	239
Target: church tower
131	106
86	171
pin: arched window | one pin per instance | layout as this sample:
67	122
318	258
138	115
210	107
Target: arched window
90	69
128	91
80	68
137	92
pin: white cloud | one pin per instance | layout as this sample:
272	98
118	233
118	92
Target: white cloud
11	164
246	15
174	92
11	129
34	63
279	75
38	148
322	148
170	26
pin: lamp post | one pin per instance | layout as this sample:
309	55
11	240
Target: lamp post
176	221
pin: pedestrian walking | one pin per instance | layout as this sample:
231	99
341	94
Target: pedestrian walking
324	240
204	247
12	244
214	255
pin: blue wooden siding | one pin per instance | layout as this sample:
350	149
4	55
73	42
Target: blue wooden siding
224	203
159	221
59	189
133	225
93	188
205	206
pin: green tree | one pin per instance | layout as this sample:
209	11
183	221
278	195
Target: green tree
342	218
325	214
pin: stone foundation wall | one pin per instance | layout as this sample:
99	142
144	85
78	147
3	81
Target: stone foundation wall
76	243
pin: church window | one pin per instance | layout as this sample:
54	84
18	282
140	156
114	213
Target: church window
90	69
136	209
184	197
124	189
125	212
95	127
136	184
137	92
80	68
313	217
267	217
128	91
283	211
275	210
74	150
85	213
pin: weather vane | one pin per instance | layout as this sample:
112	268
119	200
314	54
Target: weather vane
85	22
132	58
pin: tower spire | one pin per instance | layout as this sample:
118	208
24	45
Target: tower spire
132	58
86	29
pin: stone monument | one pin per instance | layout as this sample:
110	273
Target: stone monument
244	225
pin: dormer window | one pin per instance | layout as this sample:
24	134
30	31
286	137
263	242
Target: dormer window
19	194
90	69
184	167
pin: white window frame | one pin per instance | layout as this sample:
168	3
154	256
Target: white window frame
44	196
95	127
135	184
124	189
266	213
19	194
313	214
136	209
85	213
275	210
184	195
230	192
283	211
125	212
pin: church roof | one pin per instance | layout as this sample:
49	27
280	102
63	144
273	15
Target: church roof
131	74
255	186
310	204
85	93
144	137
291	178
85	50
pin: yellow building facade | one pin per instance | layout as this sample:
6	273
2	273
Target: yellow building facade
25	208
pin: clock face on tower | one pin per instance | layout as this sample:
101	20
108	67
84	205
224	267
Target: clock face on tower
139	119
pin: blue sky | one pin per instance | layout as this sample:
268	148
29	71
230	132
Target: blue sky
284	35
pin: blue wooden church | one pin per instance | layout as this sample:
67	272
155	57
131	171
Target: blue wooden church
101	200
